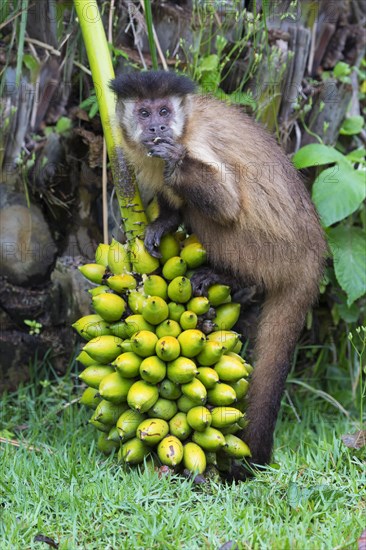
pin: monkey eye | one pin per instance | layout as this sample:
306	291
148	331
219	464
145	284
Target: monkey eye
164	112
144	113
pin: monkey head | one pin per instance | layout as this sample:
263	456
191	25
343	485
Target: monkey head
151	106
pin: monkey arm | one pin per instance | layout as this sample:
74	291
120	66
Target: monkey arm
168	220
207	187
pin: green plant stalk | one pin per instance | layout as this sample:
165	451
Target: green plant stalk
23	24
150	33
129	200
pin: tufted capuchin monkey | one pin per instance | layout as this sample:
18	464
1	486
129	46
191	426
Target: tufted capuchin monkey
220	172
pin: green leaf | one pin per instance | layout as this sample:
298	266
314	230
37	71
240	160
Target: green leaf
316	154
352	125
337	192
31	63
348	245
341	69
293	494
63	125
357	155
348	314
209	63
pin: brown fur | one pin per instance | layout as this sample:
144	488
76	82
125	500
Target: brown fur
243	198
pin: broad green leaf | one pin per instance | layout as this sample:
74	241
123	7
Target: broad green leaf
348	314
348	245
357	155
352	125
337	192
316	154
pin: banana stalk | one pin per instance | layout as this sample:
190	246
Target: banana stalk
129	200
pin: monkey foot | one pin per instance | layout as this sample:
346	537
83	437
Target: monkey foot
203	278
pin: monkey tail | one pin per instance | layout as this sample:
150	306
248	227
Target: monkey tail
280	323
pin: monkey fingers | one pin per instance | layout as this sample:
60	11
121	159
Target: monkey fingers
170	152
152	240
203	278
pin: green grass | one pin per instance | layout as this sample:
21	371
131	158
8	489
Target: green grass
68	491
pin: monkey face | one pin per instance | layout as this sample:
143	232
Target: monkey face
148	120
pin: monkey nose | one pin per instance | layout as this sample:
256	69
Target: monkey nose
155	129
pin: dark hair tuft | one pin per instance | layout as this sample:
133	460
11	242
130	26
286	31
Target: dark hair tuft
151	85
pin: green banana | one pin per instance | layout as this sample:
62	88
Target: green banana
108	413
163	408
169	390
152	369
167	348
105	445
194	458
199	305
142	396
174	267
221	395
169	247
155	310
94	374
180	290
191	342
133	451
179	427
101	254
127	424
228	338
185	403
168	328
175	311
195	390
207	376
218	294
118	261
142	261
181	370
236	447
152	430
222	417
230	369
210	439
226	316
211	352
194	255
131	325
114	388
109	306
93	272
199	418
91	326
121	283
104	349
154	285
188	320
143	343
170	451
90	398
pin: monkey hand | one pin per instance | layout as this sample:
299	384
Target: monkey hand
203	278
167	149
152	240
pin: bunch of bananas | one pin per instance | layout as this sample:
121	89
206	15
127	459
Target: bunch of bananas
162	367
